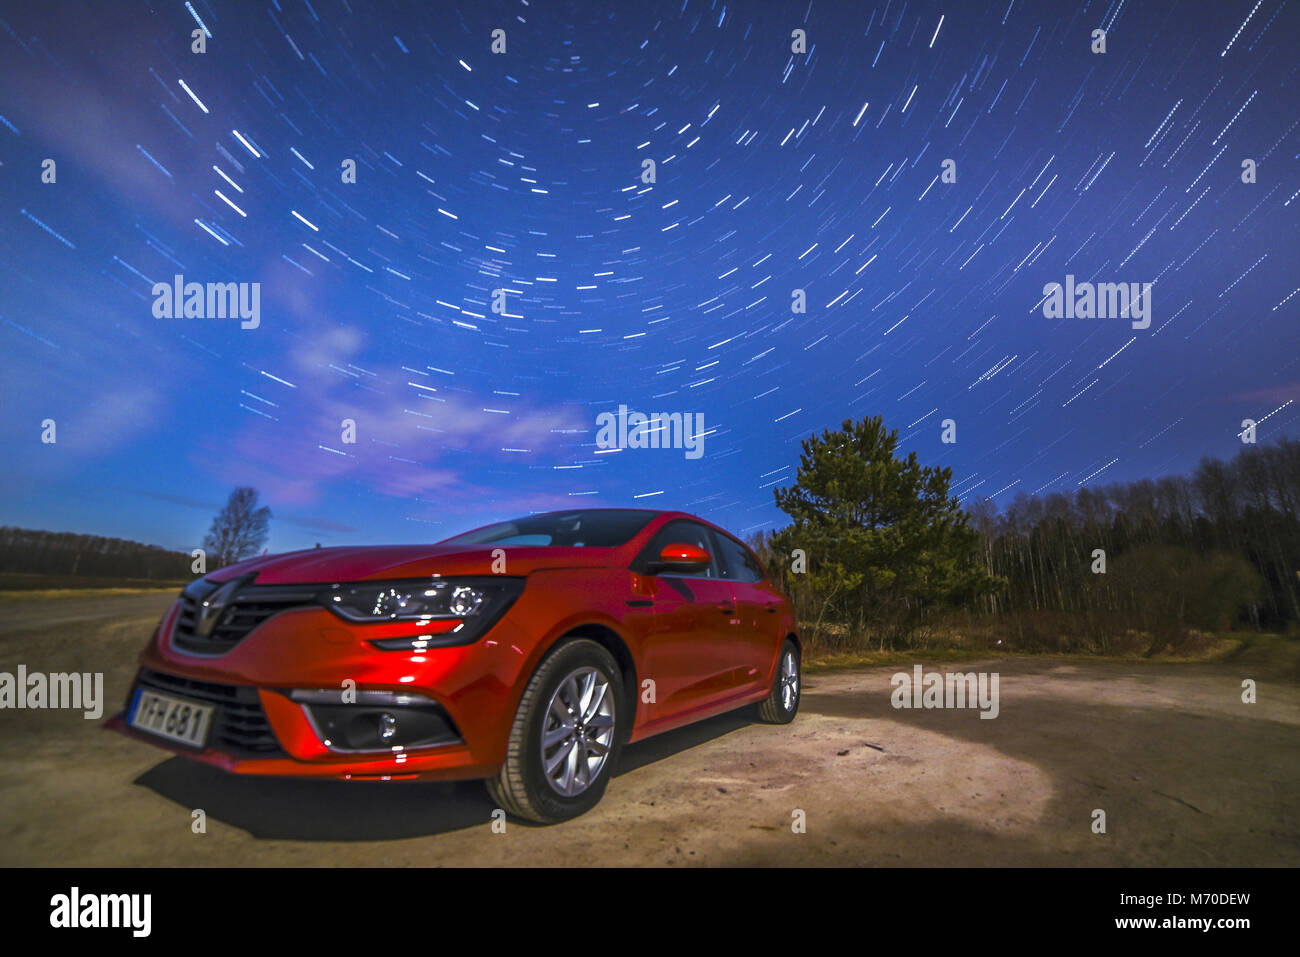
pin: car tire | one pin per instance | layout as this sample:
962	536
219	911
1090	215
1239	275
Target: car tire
523	787
778	707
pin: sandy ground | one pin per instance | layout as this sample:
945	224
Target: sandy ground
1187	774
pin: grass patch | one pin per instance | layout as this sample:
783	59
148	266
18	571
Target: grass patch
50	594
1271	654
20	586
825	661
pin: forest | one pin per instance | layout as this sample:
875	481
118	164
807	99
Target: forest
1147	564
67	554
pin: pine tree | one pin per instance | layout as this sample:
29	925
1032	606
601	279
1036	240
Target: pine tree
884	540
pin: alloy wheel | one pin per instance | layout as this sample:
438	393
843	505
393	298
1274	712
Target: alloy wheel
789	681
578	732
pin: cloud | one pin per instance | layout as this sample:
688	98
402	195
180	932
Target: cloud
174	499
411	440
302	521
1278	394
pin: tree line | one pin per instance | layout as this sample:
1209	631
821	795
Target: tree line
34	551
878	552
1216	549
238	531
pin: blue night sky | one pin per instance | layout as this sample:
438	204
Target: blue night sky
775	171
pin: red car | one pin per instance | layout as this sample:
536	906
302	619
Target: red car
526	652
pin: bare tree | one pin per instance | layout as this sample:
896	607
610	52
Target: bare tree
239	529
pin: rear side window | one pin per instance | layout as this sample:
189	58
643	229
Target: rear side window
688	533
736	562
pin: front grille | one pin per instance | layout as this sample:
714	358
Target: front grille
249	607
239	725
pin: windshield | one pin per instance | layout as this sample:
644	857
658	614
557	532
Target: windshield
595	528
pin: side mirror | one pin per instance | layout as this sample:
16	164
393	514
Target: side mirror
682	558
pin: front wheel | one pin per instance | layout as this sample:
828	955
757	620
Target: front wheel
782	704
565	738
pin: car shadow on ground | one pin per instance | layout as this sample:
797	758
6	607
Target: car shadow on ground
307	810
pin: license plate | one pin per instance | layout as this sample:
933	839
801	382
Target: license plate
173	718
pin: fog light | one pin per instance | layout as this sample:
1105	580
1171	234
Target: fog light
370	723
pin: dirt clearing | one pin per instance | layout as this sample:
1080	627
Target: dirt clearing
1186	774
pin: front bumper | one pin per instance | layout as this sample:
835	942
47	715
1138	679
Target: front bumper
449	763
258	729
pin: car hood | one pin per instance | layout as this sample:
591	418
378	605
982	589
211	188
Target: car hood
377	562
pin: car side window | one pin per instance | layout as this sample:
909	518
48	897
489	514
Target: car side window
688	533
737	564
755	567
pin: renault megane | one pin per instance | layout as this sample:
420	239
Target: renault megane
526	653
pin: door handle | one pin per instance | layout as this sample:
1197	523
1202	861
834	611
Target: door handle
770	609
727	609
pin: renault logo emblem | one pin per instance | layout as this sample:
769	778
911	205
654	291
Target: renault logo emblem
211	609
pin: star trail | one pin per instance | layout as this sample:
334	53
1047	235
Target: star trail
460	251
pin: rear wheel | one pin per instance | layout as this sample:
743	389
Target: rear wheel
782	704
566	736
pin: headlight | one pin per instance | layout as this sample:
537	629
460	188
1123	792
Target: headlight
474	604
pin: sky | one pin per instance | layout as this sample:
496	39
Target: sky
820	170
